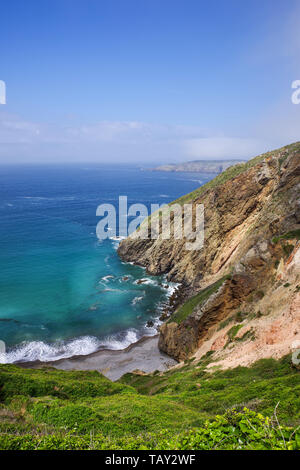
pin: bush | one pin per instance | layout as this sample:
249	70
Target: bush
233	430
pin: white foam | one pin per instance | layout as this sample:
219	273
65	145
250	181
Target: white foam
117	239
38	350
112	342
106	278
172	286
136	300
107	289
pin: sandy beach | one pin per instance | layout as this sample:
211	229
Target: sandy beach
143	355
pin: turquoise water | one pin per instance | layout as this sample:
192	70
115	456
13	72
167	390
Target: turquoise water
62	291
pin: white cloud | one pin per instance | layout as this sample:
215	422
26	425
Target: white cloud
126	141
223	147
22	140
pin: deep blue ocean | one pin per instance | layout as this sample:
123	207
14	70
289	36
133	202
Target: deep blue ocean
62	291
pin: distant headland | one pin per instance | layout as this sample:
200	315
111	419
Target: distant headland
201	166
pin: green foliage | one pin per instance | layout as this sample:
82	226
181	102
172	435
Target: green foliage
113	416
259	387
50	381
237	317
65	415
187	308
230	173
234	430
287	248
249	334
236	170
293	234
47	409
234	331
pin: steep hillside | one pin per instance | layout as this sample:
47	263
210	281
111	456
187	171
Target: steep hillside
241	291
181	409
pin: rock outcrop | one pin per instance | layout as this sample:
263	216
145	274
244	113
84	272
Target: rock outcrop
252	227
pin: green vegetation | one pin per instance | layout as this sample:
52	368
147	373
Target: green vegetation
236	170
49	409
287	248
293	234
187	308
232	431
222	178
249	334
234	331
237	317
231	173
259	387
52	382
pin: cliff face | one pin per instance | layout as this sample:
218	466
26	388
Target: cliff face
252	226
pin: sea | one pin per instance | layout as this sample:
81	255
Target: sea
64	292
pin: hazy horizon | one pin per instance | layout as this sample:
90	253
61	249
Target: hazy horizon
156	82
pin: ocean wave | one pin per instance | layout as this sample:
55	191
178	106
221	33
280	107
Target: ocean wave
116	241
152	330
172	286
40	351
108	289
121	341
45	352
107	277
136	300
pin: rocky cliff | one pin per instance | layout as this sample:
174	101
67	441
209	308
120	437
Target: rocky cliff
241	291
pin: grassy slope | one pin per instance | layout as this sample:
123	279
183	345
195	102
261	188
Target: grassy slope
50	408
232	172
187	308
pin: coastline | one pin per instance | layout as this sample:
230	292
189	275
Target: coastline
143	356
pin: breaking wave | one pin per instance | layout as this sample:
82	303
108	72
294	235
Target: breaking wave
45	352
121	341
40	351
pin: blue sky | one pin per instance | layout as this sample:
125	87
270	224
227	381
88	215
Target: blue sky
147	80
